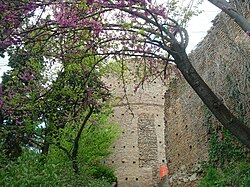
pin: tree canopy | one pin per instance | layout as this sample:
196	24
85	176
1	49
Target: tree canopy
46	114
135	28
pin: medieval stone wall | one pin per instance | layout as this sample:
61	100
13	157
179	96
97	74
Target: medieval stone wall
223	61
140	151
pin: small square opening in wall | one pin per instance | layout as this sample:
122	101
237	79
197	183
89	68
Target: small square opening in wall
126	178
136	179
113	161
123	161
134	162
163	161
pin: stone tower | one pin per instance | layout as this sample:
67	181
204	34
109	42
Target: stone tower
140	150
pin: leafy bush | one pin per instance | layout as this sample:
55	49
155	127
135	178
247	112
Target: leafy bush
102	172
235	175
212	178
29	170
96	139
228	163
93	146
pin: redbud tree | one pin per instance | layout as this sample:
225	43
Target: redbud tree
112	28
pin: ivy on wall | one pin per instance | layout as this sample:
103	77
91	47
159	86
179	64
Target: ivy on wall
229	161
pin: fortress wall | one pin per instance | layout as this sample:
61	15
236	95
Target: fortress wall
223	61
140	151
177	132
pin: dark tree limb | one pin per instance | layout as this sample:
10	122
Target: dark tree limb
216	106
233	13
76	141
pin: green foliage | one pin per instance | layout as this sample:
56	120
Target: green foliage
23	106
236	175
94	145
228	163
97	138
183	11
223	152
29	170
212	178
50	114
102	172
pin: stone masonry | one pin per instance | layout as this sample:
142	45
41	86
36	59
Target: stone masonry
160	126
223	61
140	151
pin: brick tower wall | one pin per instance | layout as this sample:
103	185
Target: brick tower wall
140	151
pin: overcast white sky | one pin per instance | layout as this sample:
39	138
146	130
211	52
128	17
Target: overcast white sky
199	25
197	29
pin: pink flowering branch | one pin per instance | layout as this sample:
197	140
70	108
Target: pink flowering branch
130	28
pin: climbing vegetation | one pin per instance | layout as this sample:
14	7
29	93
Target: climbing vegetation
228	163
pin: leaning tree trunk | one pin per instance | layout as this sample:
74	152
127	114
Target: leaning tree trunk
221	112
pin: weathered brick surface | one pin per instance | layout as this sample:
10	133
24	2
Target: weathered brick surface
140	150
223	61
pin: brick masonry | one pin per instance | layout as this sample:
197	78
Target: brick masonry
223	61
160	126
140	151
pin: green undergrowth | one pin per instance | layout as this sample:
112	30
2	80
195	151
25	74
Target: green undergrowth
34	169
229	160
29	170
228	163
236	174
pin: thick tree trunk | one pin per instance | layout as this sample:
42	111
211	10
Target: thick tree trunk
221	112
